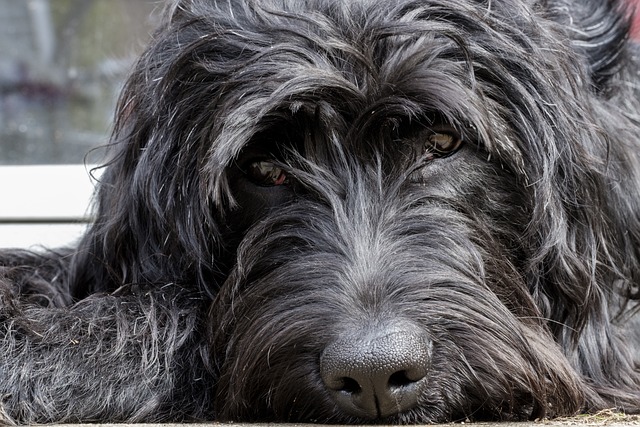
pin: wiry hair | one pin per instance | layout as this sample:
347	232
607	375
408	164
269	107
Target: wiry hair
201	293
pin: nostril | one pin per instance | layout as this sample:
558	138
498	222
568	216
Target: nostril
349	385
401	379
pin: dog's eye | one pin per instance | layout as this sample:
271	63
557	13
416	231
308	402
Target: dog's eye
267	174
441	143
444	142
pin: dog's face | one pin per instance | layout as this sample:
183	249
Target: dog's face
386	201
367	255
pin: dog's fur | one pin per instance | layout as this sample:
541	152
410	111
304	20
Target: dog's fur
506	266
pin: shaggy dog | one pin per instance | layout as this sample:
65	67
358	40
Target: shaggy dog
402	211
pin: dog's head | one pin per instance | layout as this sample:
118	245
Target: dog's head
448	180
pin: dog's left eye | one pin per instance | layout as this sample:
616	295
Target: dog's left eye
442	142
267	174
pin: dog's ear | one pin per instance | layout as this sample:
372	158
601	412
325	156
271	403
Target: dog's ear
586	227
154	222
598	30
595	170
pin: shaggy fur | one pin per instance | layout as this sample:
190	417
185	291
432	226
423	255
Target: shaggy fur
402	211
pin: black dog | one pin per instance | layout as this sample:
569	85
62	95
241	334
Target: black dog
401	211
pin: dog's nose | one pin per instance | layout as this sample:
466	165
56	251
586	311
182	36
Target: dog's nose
377	376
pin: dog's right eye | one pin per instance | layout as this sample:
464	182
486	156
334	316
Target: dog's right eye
267	174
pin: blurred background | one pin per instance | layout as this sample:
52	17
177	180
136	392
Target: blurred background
62	64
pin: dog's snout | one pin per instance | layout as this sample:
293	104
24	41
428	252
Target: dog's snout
376	377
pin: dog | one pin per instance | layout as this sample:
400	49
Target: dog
403	211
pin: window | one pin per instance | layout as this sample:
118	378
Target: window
62	64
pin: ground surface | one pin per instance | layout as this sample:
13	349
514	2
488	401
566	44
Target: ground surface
604	418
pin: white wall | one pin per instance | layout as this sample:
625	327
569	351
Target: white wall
44	205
